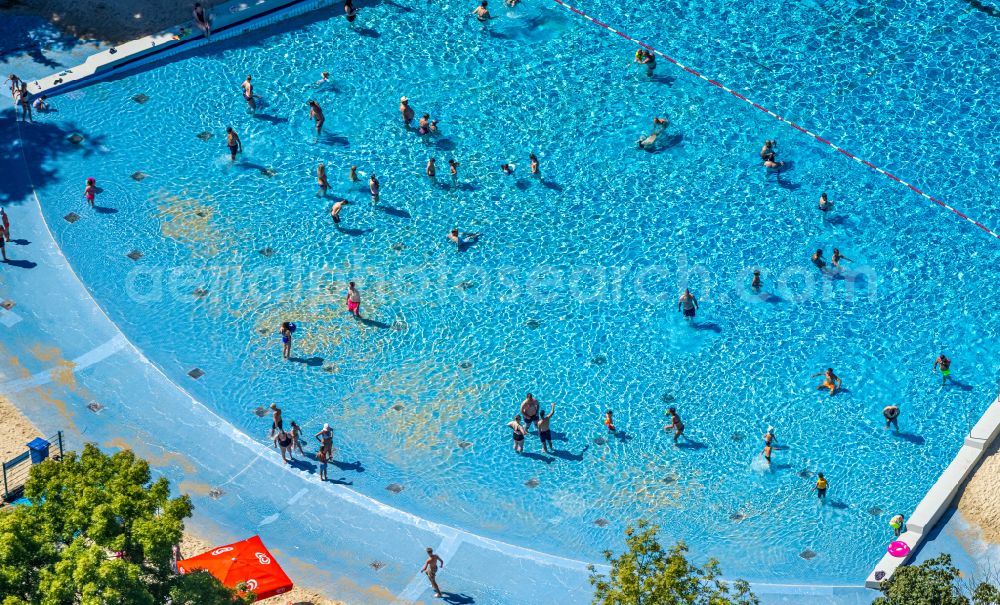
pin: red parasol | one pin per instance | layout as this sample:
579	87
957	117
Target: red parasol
247	561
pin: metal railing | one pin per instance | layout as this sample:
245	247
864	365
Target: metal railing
17	469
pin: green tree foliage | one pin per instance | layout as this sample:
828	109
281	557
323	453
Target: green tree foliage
646	574
934	582
99	531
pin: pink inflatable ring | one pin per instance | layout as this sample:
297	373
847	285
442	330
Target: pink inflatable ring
899	549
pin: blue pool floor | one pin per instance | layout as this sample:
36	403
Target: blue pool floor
61	354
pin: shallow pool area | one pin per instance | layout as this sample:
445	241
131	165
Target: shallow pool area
571	292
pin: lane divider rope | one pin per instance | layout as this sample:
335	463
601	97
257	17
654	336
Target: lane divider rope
777	117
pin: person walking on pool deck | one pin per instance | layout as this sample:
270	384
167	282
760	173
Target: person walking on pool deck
529	409
201	19
544	434
233	142
276	423
519	432
688	303
353	300
891	413
286	331
945	364
830	381
430	568
3	249
821	485
675	424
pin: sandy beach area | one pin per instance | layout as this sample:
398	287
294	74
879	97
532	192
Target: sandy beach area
112	21
979	500
15	431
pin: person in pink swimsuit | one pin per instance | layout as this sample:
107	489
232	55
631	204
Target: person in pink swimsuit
353	300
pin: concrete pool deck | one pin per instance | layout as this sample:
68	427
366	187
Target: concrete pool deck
62	354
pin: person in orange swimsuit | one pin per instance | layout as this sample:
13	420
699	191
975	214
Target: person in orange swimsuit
608	422
830	381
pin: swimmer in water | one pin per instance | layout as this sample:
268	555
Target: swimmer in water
817	259
324	78
512	3
321	180
755	283
688	304
675	424
609	422
335	211
767	453
896	523
353	300
431	169
519	432
481	12
659	125
434	127
769	437
286	332
821	485
648	59
374	187
315	113
424	127
463	239
891	414
350	11
830	381
453	168
529	408
90	191
507	168
534	164
544	434
824	203
353	177
249	95
945	364
233	142
406	111
837	257
771	162
768	149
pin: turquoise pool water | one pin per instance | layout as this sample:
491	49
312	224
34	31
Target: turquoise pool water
572	291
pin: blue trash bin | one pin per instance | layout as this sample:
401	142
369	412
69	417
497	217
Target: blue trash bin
39	449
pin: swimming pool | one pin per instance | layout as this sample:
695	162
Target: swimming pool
571	294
